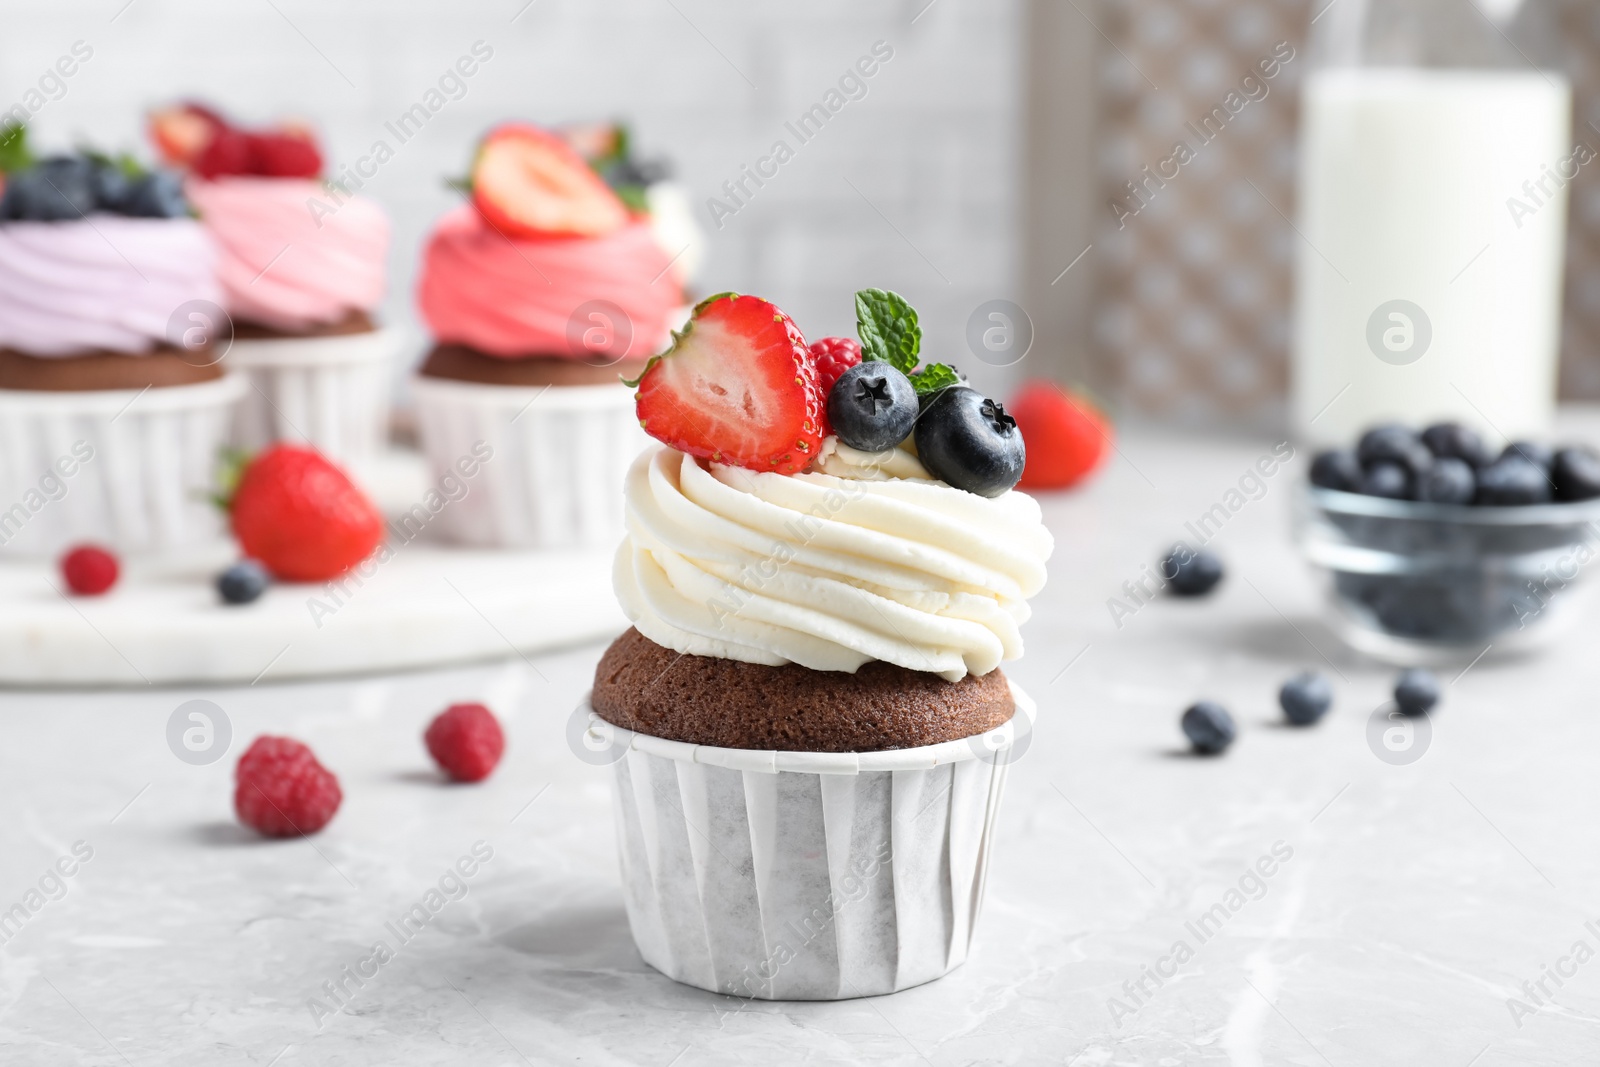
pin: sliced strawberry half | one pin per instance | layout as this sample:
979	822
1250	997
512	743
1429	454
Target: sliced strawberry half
529	183
183	132
738	386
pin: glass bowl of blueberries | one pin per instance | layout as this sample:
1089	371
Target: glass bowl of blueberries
1437	547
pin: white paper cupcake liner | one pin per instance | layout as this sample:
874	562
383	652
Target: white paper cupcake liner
806	876
560	455
128	468
330	392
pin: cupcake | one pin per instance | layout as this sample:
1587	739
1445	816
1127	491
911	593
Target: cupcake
112	407
541	294
302	263
824	566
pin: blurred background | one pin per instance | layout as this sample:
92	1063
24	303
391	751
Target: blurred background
982	162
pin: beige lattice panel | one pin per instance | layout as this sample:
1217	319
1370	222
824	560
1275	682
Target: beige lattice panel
1196	280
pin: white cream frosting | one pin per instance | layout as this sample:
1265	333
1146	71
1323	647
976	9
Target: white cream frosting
865	557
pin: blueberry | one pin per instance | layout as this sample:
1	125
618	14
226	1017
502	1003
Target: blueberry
1416	691
111	185
872	407
1305	698
1576	472
1531	451
1191	572
1209	727
1448	481
71	180
1512	481
1451	440
48	194
1337	469
1394	444
1387	480
156	195
969	441
243	582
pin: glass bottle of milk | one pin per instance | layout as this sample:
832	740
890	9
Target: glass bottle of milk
1436	150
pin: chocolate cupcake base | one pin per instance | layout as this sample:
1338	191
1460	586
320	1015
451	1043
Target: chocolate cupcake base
103	371
459	363
701	700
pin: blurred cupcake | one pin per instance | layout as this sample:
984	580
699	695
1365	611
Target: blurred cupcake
302	263
112	406
541	295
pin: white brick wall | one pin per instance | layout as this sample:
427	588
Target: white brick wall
933	146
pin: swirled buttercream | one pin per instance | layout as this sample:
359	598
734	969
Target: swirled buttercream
516	298
103	283
284	265
865	557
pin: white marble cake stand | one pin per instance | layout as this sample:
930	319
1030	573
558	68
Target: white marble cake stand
427	605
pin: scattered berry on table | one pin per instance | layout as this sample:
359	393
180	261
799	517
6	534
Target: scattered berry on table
1209	727
1448	481
89	570
1068	436
1191	572
1512	481
282	791
872	407
968	441
243	582
466	741
1337	468
301	516
1305	698
1416	691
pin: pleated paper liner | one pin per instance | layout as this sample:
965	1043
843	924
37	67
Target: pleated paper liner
133	470
331	392
803	875
560	454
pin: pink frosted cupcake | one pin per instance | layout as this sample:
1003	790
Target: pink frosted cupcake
303	269
112	407
541	295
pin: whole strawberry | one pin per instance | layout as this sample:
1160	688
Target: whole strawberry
738	386
466	741
282	791
301	516
1067	435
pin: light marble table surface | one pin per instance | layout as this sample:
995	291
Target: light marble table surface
1414	904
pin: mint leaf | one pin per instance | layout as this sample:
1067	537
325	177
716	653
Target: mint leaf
934	377
14	154
888	329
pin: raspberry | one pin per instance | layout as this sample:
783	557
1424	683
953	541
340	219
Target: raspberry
283	791
89	570
466	741
834	356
